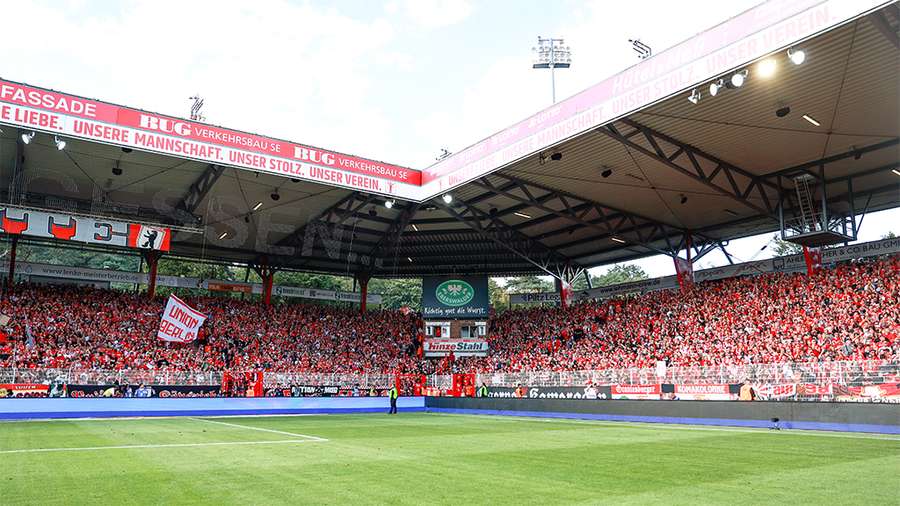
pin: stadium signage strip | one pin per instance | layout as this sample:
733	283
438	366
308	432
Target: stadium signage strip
759	31
75	117
111	276
67	227
790	263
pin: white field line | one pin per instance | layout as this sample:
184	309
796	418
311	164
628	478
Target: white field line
250	427
662	426
174	445
123	418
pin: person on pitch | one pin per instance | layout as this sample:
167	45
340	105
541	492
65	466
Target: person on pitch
393	394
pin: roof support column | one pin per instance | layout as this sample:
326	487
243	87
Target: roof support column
152	258
12	261
267	273
363	279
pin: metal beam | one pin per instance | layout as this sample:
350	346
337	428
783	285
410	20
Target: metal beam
516	242
880	22
199	189
574	214
684	159
390	240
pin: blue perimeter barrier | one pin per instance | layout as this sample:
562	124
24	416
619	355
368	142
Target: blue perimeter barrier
11	409
728	422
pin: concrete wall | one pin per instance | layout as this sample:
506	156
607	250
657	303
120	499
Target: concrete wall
857	417
93	407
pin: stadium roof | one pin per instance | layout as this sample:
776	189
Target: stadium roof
641	165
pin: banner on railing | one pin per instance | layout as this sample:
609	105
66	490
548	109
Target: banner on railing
67	227
459	347
601	392
704	393
635	391
110	276
179	322
162	391
776	392
23	390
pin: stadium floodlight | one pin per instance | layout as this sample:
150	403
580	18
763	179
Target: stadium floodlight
552	54
410	259
797	56
715	87
767	68
224	235
739	78
447	198
695	97
257	206
27	137
60	143
388	204
522	215
812	120
616	239
895	171
414	227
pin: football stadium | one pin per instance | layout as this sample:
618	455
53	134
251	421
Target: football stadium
196	314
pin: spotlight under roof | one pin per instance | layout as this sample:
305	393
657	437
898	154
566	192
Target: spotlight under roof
797	56
767	68
695	97
739	78
447	198
27	137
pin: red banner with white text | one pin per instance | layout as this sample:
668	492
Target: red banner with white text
71	116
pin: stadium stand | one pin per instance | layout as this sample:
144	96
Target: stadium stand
849	312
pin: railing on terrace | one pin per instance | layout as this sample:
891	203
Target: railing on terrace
106	377
848	373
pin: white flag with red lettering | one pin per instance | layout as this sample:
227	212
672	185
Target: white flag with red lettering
179	322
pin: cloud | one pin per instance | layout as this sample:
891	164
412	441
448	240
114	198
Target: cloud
431	14
300	72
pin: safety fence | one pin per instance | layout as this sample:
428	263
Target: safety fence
847	373
850	381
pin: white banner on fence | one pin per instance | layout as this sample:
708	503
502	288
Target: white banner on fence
104	275
179	322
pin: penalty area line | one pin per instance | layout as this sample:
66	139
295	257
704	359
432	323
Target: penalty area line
173	445
250	427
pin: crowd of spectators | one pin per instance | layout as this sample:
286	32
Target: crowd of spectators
850	312
86	328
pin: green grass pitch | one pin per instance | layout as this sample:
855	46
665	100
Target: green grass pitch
420	458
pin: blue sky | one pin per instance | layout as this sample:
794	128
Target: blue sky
395	80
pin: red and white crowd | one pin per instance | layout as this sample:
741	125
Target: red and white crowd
850	312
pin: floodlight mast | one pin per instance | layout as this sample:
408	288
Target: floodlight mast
552	54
